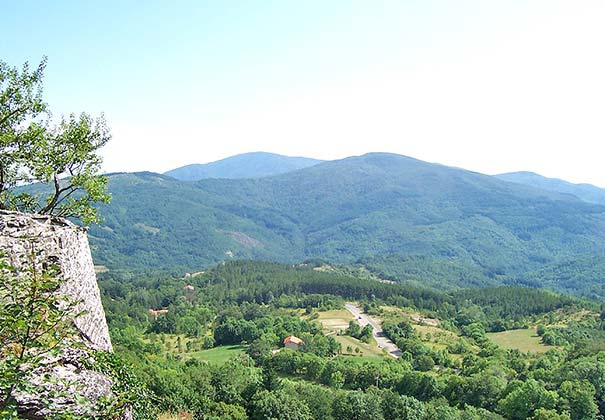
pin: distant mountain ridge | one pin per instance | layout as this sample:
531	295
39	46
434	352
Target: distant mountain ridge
403	218
586	192
246	165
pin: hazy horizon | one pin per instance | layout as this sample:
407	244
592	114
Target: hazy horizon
328	160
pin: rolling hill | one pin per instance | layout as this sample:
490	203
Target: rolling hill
246	165
402	218
586	192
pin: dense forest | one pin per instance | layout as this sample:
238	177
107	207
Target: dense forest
406	220
214	347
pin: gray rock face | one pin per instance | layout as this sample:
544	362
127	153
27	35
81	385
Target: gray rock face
58	241
63	385
62	382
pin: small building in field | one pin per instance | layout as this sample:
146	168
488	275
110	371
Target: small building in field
293	342
189	288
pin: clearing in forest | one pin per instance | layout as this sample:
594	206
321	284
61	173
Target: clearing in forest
524	340
335	322
217	355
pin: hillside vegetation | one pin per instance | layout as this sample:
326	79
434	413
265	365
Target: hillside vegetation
404	219
218	352
246	165
586	192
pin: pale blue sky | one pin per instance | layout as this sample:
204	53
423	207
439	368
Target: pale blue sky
490	86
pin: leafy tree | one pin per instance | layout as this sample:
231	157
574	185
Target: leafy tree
354	329
525	399
20	100
270	380
591	369
337	379
225	411
424	363
545	414
484	389
577	398
474	413
189	326
32	150
357	405
165	323
366	334
441	411
318	398
259	350
402	407
208	342
267	405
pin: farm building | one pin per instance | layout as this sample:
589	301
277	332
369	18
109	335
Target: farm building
293	342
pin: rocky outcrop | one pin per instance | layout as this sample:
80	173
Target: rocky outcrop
73	389
63	381
59	242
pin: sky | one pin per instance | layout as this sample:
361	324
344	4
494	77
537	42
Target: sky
489	86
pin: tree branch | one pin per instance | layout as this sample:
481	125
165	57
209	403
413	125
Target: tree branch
12	114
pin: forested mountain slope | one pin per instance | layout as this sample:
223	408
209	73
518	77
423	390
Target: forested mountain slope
245	165
403	218
586	192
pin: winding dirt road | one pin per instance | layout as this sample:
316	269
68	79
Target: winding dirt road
381	339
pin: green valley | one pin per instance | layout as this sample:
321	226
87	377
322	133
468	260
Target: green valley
218	349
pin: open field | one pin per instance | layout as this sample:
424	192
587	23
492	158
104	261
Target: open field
396	312
525	340
393	313
435	333
428	329
217	355
335	320
366	350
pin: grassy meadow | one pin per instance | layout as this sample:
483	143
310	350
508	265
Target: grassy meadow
524	340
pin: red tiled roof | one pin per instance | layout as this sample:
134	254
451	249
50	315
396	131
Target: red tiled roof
293	339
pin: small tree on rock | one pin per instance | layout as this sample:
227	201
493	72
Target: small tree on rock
33	150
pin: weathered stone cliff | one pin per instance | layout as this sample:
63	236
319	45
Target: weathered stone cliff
50	241
58	241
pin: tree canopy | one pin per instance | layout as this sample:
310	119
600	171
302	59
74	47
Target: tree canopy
34	149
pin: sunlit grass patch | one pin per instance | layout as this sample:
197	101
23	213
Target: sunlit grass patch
217	355
365	349
524	340
335	320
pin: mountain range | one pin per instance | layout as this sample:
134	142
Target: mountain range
404	219
586	192
246	165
